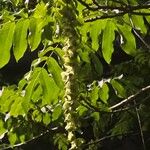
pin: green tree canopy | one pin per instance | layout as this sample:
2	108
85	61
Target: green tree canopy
91	74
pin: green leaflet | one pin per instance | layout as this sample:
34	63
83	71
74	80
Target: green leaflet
96	116
97	64
56	113
129	43
49	87
84	29
84	52
40	10
41	86
6	39
107	41
59	51
81	110
95	31
104	93
37	116
13	137
119	89
46	118
94	95
22	83
138	22
20	35
37	94
60	140
2	129
147	17
55	70
35	28
16	108
7	99
30	89
37	22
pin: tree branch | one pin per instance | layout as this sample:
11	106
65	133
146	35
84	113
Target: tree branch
8	146
5	147
128	8
103	17
108	137
130	98
116	15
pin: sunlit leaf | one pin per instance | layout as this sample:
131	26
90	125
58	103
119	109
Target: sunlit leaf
16	108
84	55
37	116
12	136
85	28
37	94
107	41
22	138
2	129
104	93
30	89
22	83
55	70
6	39
46	118
138	22
94	95
20	35
118	87
56	113
129	43
57	50
95	31
35	28
40	10
49	88
7	99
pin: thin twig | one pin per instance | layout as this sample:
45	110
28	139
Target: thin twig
139	37
88	105
54	129
108	137
25	142
139	13
140	126
130	98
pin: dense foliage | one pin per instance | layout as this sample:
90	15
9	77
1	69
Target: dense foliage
89	78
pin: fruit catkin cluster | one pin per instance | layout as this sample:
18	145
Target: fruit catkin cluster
69	78
69	75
